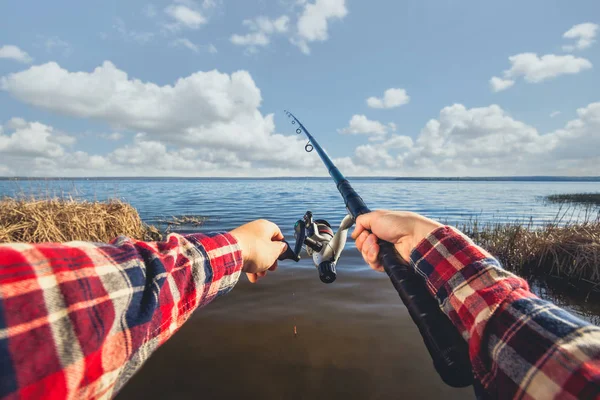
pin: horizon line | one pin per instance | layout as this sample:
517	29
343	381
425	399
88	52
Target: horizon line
430	178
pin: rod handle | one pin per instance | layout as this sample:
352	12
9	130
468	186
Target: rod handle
447	348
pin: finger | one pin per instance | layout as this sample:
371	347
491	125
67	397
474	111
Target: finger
261	274
252	277
370	252
363	222
275	249
358	229
360	241
372	249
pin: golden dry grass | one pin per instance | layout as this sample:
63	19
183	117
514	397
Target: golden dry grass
566	250
63	220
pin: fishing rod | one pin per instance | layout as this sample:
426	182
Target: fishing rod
447	348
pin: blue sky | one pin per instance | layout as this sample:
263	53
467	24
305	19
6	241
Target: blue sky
323	60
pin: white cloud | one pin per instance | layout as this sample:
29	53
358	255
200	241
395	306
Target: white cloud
313	24
209	124
391	98
212	49
462	141
579	141
398	142
31	139
499	84
185	42
261	28
209	4
14	53
554	114
360	124
130	35
535	69
184	17
584	34
210	110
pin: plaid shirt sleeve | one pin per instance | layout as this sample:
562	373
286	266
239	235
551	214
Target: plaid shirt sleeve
77	320
520	346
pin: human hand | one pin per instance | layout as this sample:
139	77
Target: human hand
403	229
261	246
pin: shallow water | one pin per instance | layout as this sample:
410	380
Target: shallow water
354	338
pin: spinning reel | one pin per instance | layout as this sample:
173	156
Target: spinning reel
321	243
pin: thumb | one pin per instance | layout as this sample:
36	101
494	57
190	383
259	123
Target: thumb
278	248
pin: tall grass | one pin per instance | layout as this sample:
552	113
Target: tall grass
62	220
565	249
576	198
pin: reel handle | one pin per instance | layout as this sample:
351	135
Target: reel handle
299	235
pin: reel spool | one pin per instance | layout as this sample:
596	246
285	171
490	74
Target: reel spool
322	244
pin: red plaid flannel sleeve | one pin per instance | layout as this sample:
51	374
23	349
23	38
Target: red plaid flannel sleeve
520	346
77	320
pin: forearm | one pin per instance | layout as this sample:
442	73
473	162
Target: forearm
518	343
92	314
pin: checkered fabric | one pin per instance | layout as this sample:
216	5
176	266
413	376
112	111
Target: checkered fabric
77	320
520	346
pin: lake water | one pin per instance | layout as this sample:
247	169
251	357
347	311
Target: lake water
354	338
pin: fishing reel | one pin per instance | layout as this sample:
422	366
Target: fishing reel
321	244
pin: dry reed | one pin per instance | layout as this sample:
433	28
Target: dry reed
566	250
63	220
575	198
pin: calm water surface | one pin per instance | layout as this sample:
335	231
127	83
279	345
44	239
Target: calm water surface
354	338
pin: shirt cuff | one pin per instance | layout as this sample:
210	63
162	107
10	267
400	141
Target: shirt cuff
446	258
467	281
224	255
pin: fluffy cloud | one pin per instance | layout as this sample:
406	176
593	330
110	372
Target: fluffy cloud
535	69
499	84
580	140
212	111
209	124
313	24
391	98
461	141
261	28
184	16
107	93
14	53
584	34
360	124
185	42
31	139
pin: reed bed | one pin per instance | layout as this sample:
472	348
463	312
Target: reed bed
576	198
568	250
61	220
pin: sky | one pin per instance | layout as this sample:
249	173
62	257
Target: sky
388	87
